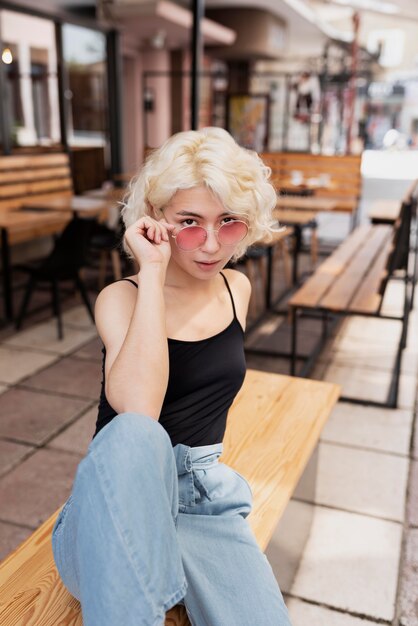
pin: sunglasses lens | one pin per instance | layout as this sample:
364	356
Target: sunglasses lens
232	232
191	238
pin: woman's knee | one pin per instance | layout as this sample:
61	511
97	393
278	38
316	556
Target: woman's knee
132	431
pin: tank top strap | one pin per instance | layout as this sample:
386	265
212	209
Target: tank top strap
230	294
129	280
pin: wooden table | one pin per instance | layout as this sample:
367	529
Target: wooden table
310	185
113	194
306	204
77	205
12	223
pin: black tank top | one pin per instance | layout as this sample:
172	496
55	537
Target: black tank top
204	378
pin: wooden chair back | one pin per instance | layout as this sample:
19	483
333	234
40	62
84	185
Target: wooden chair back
344	174
33	177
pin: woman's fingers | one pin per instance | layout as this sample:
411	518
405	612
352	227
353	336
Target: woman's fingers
154	231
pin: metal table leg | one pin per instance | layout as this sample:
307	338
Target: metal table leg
296	250
7	283
269	277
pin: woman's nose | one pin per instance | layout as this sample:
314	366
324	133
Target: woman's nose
211	244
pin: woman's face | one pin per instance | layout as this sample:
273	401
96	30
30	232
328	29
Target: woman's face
199	207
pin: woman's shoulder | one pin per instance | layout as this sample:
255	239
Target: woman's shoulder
115	300
238	282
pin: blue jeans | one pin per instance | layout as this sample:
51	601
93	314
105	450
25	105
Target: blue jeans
148	526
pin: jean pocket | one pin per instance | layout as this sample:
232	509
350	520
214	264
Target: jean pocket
245	481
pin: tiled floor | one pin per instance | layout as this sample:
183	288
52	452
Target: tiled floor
360	562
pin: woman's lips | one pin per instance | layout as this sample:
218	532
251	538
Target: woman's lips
206	265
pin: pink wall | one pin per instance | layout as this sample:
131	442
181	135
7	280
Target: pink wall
159	120
132	119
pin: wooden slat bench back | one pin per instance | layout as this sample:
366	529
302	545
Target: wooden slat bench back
344	172
351	277
273	428
37	177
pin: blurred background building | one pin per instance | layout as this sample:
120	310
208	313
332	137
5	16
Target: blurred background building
108	79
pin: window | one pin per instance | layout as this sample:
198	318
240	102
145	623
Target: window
85	60
30	68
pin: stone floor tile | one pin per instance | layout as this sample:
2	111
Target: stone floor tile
44	337
412	508
77	437
11	454
11	536
265	328
268	364
414	450
371	384
412	338
275	334
370	329
284	558
341	481
407	391
351	563
92	351
78	317
387	430
359	382
393	298
31	492
33	417
409	363
70	376
408	604
17	364
352	351
306	614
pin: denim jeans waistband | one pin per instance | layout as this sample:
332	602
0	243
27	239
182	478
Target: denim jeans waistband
200	457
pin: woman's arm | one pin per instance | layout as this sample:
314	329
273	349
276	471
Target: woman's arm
132	325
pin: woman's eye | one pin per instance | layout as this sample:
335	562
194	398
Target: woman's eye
188	222
227	220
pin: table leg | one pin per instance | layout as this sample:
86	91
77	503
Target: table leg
269	276
7	284
296	250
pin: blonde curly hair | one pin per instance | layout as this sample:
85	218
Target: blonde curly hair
208	157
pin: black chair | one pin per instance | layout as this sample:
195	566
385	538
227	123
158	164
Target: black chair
63	263
107	243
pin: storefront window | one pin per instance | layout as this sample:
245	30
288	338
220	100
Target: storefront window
31	87
85	61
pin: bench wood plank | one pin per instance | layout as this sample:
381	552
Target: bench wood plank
385	210
368	297
273	426
315	288
347	284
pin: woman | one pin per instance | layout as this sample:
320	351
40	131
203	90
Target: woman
154	519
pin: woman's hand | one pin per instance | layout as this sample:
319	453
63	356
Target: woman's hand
148	240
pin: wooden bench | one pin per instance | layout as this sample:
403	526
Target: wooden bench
352	281
344	174
273	428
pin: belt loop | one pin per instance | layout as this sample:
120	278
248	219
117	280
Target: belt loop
188	461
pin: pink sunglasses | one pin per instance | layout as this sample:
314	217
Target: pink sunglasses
193	237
